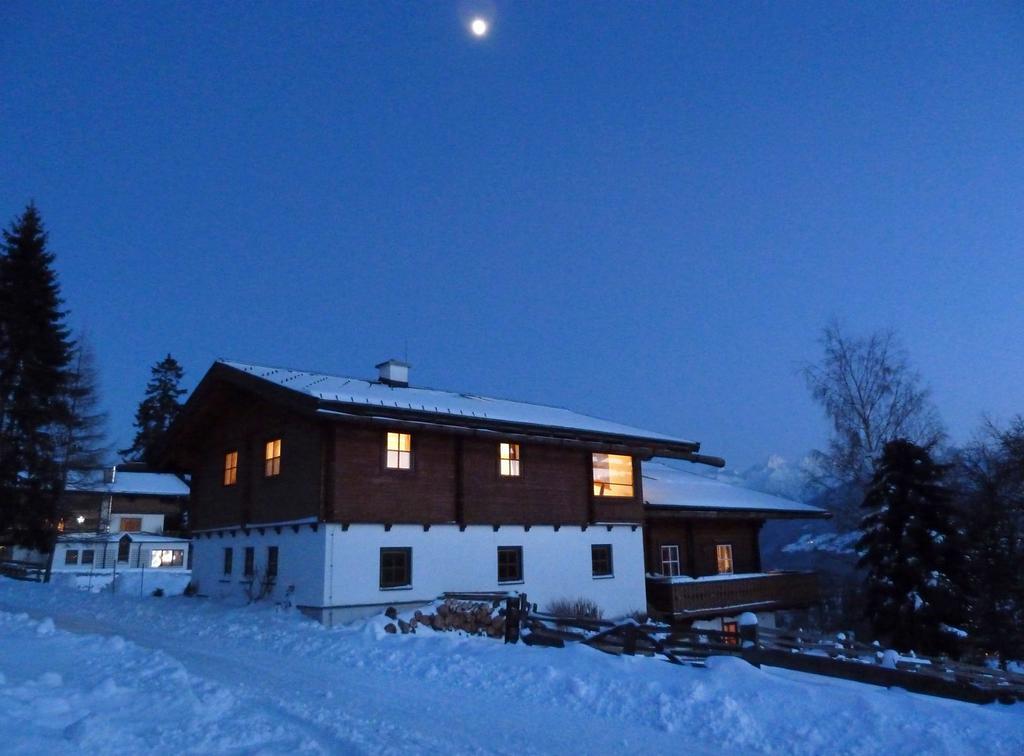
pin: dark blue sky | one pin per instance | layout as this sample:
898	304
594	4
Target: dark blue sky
642	211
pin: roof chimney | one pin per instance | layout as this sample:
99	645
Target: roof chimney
394	373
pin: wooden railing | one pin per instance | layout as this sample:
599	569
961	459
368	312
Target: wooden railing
710	596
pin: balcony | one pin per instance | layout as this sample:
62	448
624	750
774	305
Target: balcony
715	595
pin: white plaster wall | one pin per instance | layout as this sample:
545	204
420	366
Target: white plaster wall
555	564
300	563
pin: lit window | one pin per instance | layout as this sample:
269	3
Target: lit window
723	555
71	556
508	457
613	475
733	636
510	564
272	465
395	568
167	558
131	524
601	559
230	468
399	456
670	560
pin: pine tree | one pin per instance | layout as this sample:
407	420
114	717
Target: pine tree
82	431
910	547
35	350
157	410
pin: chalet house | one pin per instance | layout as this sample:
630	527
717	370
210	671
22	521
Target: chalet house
702	548
123	498
344	495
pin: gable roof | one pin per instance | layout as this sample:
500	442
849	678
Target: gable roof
127	483
343	398
670	488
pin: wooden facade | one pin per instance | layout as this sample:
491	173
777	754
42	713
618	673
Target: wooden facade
335	471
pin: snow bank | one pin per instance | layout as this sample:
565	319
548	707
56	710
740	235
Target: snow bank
94	672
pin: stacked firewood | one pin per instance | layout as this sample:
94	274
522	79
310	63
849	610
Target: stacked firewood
472	617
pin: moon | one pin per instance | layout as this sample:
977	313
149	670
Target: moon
479	27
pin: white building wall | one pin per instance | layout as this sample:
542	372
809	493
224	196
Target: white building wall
556	564
338	570
300	563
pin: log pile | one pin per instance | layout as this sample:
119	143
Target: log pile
472	617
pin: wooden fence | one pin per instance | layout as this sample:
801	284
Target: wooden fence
841	657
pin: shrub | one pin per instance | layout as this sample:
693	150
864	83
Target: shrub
191	589
578	607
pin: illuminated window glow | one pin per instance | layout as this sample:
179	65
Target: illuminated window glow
399	451
723	555
508	458
230	468
167	558
272	457
131	524
670	560
613	475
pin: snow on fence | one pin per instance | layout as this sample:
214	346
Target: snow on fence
841	657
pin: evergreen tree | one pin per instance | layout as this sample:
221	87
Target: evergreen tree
82	432
157	410
910	548
35	350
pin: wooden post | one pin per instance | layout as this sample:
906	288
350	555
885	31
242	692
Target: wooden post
629	641
748	631
511	620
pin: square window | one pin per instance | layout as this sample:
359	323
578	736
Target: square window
670	560
71	556
250	561
131	524
395	567
510	564
508	459
272	458
231	468
723	556
271	561
88	556
613	475
601	559
229	558
399	451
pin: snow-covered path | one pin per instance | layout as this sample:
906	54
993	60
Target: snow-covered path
107	673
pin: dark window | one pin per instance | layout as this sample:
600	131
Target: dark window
510	564
271	561
71	556
250	557
670	560
395	567
124	548
229	558
601	559
88	556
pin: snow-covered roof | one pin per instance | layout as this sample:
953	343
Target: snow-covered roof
356	391
671	487
115	537
127	483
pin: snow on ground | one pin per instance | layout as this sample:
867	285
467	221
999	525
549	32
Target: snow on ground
110	673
